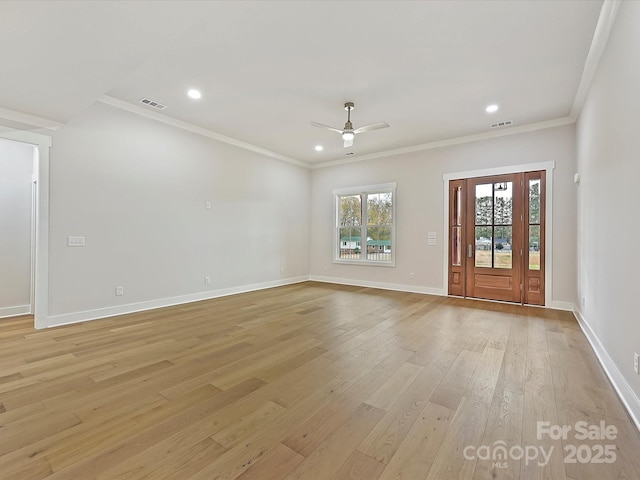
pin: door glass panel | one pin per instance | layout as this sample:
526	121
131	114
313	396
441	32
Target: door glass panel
484	242
458	206
456	246
534	247
484	204
534	201
503	201
502	247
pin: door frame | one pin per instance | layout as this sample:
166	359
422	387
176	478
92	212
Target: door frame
41	144
548	167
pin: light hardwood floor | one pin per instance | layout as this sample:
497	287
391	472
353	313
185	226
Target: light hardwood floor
309	381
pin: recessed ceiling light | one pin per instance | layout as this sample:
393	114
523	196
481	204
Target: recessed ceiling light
491	108
195	94
318	148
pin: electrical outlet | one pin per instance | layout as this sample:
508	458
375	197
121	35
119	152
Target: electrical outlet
207	280
584	301
119	291
635	363
412	275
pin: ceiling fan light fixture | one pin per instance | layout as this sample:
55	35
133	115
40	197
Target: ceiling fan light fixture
348	133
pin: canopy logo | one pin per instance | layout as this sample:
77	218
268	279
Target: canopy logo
499	453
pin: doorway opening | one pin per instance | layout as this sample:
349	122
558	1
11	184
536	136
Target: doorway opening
36	250
497	237
17	224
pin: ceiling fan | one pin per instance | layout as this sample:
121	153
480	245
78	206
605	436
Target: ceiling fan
348	132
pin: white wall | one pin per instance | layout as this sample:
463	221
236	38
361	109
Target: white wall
420	207
16	170
136	189
608	146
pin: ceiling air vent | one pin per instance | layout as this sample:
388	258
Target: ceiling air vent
151	103
501	124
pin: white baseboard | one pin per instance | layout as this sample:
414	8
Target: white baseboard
558	305
76	317
15	311
382	285
620	384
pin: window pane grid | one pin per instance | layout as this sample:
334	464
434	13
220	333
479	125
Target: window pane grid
494	225
365	227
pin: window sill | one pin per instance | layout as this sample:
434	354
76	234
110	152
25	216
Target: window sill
368	263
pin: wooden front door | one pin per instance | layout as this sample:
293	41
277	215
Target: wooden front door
497	237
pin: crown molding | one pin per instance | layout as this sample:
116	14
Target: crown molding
601	34
121	104
31	120
531	127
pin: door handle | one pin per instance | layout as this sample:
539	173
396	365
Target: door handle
470	251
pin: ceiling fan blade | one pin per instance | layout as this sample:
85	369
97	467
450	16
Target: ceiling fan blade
348	143
372	126
326	127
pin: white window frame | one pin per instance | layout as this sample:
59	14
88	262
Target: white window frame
364	190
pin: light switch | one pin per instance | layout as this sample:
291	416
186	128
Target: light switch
432	239
75	241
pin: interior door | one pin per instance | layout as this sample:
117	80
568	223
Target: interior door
494	238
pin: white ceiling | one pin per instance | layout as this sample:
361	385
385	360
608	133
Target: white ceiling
267	69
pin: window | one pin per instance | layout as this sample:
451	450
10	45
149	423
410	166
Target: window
365	225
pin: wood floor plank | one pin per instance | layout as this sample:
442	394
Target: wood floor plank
386	437
304	381
388	393
274	466
540	406
416	453
503	429
449	392
359	467
307	436
466	429
325	460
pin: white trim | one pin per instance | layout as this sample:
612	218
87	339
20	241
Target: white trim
558	305
15	311
607	18
122	105
398	287
389	186
620	384
76	317
489	172
27	119
531	127
41	176
548	167
548	238
371	263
